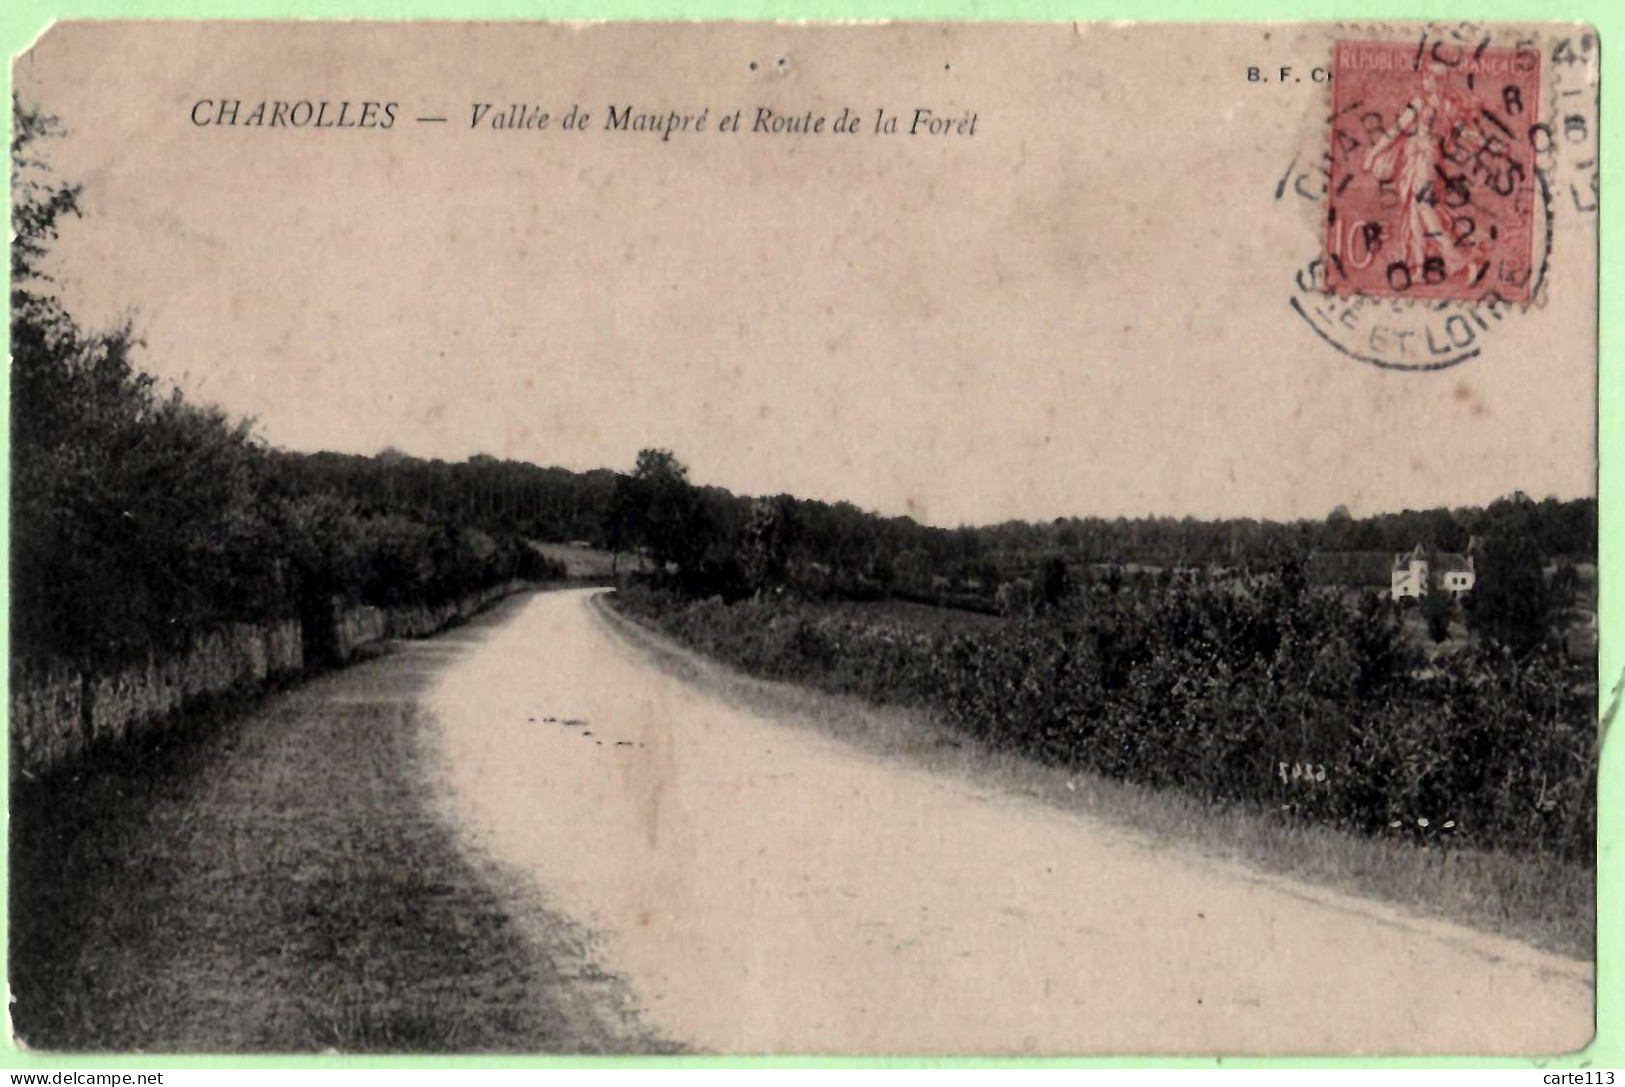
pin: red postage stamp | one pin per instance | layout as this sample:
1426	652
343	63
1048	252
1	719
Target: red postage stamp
1432	192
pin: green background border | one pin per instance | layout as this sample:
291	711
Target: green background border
21	22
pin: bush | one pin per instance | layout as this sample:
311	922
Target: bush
1437	609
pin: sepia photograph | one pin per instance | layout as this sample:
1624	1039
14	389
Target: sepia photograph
887	539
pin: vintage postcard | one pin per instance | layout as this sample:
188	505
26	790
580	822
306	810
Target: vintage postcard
890	539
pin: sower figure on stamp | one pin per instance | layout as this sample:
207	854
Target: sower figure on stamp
1409	156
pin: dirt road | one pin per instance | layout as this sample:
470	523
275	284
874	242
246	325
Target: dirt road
763	888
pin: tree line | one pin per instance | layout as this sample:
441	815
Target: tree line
140	518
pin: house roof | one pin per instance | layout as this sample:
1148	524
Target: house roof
1351	568
1449	562
1376	568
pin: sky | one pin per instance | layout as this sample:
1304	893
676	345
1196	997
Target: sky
1081	309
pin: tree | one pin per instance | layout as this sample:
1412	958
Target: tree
658	509
136	516
914	570
1565	584
1337	532
772	533
1437	607
1014	598
1510	603
1447	534
37	202
1054	582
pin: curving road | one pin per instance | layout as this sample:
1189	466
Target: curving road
762	888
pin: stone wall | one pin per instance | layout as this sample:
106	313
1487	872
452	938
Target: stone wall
356	627
46	718
57	712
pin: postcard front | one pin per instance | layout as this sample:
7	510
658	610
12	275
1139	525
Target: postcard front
873	539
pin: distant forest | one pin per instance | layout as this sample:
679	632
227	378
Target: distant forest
558	504
850	543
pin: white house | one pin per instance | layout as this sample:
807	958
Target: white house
1410	576
1450	572
1454	573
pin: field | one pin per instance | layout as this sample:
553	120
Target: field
589	563
905	615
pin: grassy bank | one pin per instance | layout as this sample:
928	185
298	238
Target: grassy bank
1536	897
279	878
